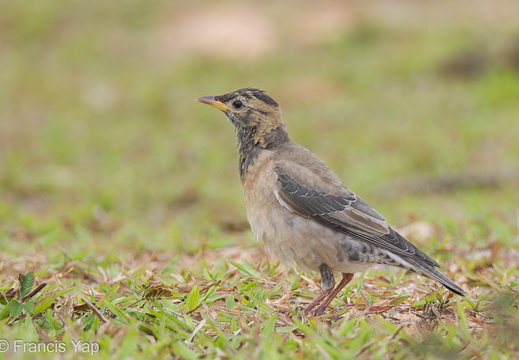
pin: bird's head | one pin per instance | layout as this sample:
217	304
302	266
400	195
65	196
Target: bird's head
252	112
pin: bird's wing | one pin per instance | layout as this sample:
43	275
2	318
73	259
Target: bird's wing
345	212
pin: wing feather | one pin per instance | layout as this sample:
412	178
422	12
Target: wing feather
344	212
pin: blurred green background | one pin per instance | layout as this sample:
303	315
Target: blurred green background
413	104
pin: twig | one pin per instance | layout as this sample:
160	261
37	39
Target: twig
95	310
34	292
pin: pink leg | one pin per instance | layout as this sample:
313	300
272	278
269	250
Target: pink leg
317	300
327	284
346	278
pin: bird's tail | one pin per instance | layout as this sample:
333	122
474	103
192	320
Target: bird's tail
430	271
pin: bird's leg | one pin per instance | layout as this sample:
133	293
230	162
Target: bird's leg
346	278
327	284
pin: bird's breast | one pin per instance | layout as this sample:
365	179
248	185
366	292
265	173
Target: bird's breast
289	236
286	235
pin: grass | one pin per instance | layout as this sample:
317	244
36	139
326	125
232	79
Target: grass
120	204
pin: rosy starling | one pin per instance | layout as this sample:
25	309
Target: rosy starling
302	211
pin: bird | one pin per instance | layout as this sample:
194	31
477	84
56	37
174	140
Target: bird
302	211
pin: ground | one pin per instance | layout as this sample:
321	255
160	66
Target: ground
121	213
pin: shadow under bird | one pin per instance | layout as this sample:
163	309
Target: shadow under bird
302	211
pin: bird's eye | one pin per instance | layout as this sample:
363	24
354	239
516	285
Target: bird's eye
237	104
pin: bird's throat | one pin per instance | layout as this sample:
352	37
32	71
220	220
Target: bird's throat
252	142
248	150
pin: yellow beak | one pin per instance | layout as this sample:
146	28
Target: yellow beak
209	100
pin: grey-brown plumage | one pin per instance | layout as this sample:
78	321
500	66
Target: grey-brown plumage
302	211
